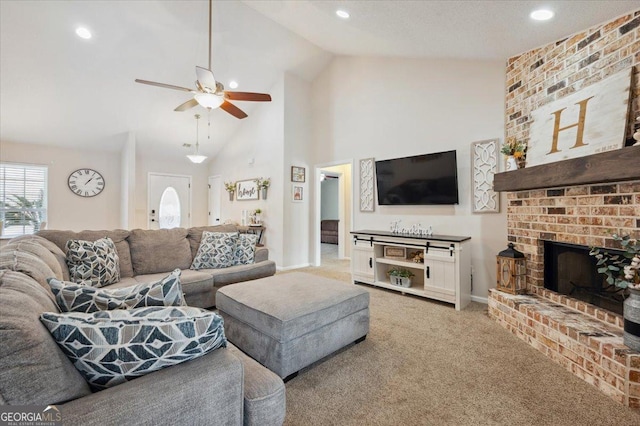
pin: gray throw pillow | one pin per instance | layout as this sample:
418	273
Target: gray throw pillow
71	297
111	347
93	263
217	250
245	252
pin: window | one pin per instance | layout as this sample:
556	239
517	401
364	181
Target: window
23	198
169	209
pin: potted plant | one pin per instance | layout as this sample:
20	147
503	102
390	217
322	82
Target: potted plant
263	185
230	187
257	217
400	277
623	270
515	151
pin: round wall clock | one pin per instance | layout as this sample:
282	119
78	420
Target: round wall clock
86	182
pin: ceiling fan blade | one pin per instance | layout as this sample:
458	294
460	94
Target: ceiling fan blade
187	105
166	86
233	110
206	79
247	96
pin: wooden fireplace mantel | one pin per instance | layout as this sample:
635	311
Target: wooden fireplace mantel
605	167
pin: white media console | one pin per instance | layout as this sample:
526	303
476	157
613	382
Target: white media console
445	273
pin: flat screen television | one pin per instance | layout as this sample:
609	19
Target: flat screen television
418	180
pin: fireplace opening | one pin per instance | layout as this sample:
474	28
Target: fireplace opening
570	270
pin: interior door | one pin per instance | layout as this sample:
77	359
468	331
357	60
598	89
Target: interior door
215	189
169	201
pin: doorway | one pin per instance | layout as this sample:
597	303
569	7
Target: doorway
341	170
168	201
215	187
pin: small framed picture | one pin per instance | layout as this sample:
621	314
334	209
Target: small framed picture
395	252
297	193
297	174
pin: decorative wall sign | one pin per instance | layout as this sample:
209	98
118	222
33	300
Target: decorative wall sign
297	174
297	193
587	122
246	190
367	203
484	164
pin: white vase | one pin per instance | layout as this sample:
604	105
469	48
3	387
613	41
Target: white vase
512	164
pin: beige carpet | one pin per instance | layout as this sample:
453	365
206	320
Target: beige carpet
423	363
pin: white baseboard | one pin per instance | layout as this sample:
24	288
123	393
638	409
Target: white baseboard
479	299
288	268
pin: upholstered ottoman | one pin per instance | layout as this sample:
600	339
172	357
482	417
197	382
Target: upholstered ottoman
287	322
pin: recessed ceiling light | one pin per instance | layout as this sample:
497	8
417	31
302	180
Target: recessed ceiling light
541	14
343	14
233	84
84	33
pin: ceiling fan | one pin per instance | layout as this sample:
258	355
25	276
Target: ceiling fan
210	93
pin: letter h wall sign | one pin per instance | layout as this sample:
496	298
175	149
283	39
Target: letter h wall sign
587	122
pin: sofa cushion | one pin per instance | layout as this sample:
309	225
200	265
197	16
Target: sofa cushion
118	236
159	250
217	250
93	263
72	297
245	251
33	370
195	235
35	247
27	263
111	347
238	273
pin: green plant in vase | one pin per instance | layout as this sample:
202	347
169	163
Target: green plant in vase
400	272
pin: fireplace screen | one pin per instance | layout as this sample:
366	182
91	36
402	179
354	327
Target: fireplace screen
569	270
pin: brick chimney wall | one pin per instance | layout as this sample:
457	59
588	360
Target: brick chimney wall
589	214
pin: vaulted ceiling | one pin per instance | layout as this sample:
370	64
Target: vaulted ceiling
58	89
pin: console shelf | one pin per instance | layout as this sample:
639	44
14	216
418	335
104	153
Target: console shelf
445	274
403	263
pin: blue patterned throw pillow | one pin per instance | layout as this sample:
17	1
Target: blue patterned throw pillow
111	347
217	250
71	297
245	252
93	263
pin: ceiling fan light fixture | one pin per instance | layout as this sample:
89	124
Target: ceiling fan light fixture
209	100
197	158
342	14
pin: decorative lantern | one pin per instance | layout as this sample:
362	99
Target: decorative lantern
511	271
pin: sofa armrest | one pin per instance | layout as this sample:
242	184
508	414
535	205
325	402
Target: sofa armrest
262	254
205	391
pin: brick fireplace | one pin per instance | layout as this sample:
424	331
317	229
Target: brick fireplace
583	338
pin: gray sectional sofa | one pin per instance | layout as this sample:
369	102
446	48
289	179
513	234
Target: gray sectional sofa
223	387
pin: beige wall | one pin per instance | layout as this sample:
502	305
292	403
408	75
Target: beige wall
382	108
123	203
65	209
260	138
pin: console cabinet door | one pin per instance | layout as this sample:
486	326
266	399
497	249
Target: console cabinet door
440	274
362	263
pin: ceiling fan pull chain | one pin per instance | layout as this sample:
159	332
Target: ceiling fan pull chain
209	124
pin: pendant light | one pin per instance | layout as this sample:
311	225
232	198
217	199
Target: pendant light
197	158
